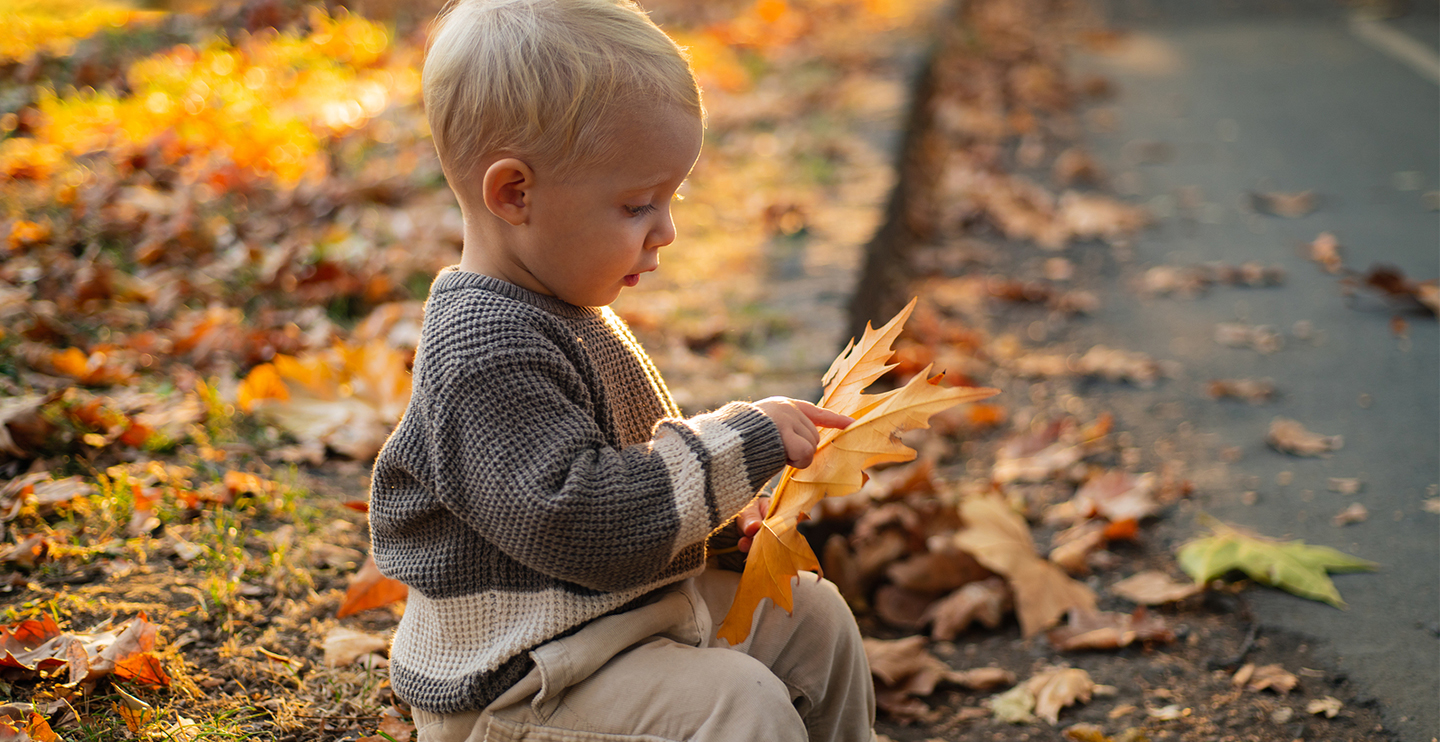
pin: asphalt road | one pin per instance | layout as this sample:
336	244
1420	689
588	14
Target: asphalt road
1246	97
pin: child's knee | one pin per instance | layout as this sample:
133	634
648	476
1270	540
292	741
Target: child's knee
819	600
742	682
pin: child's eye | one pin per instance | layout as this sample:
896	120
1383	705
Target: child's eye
640	210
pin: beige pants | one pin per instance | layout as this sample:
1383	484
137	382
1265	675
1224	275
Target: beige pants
659	673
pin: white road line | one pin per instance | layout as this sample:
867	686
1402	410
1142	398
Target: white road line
1398	46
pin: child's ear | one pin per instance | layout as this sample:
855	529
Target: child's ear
506	190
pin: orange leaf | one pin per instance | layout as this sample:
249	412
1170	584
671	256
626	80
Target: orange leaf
29	633
1122	530
39	729
142	668
136	434
239	482
72	362
263	382
370	589
987	415
779	552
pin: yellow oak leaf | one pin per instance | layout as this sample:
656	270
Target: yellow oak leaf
779	552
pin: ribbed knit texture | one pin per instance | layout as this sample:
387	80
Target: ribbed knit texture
541	477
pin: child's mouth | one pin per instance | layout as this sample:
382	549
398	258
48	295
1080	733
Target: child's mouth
632	280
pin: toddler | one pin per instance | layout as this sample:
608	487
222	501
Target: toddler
543	497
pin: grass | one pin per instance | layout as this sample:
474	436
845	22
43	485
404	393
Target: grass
242	592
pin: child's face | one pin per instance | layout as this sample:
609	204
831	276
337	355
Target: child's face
593	234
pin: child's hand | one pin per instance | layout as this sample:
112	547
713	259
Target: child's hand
750	520
797	421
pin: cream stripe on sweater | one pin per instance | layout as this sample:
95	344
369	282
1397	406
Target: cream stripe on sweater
541	477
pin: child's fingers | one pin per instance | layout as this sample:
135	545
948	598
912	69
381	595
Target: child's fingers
752	516
823	417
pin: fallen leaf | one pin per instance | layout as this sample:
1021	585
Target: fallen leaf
1120	365
96	368
1122	530
1356	513
245	483
135	638
1088	216
1118	495
136	713
1000	540
1057	689
1250	273
1075	165
27	552
346	397
1106	630
1152	587
1254	391
1263	338
20	722
1292	205
1292	566
1015	706
141	667
1258	678
1329	706
779	552
1390	284
905	671
370	589
986	601
842	570
1325	250
1289	436
1039	455
1074	546
1167	713
394	728
901	608
343	645
893	662
938	571
982	678
1163	280
183	730
1045	693
1087	733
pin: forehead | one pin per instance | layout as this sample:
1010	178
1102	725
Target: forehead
650	145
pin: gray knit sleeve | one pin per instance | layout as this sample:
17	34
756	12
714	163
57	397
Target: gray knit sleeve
520	458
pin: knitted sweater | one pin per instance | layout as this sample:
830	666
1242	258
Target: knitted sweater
541	477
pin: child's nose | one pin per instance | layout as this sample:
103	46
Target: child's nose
664	231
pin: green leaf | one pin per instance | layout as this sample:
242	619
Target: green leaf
1293	566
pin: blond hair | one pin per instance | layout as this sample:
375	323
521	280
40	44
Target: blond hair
542	79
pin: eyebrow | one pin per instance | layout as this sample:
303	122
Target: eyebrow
654	183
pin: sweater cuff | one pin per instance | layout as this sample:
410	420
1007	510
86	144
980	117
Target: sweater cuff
716	462
763	449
